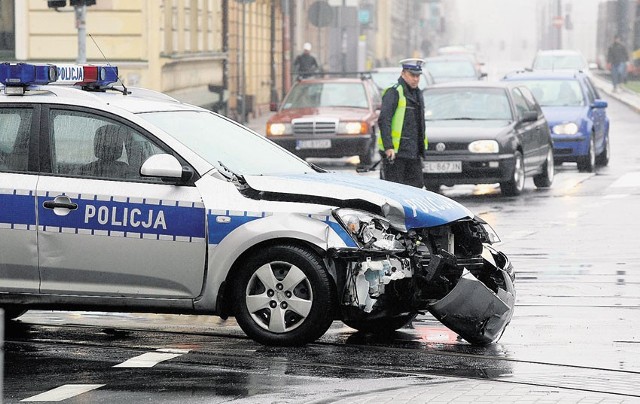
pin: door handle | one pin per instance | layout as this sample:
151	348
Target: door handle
60	202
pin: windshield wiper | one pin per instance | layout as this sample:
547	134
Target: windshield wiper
239	178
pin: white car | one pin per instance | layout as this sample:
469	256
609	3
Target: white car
121	199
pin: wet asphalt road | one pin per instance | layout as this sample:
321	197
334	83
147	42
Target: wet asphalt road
575	334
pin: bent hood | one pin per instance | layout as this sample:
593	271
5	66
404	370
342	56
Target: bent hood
404	206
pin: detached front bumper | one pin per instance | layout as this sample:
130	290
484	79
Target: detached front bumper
478	313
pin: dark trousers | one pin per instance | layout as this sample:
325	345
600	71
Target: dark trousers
403	170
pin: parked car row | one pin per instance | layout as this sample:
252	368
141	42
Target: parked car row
479	131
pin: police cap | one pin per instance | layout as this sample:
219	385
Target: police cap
414	65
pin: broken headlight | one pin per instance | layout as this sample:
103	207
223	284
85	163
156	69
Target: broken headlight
369	230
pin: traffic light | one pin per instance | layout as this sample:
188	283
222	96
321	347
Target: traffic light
56	3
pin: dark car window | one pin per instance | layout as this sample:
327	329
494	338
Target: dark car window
520	102
14	138
592	91
528	96
92	146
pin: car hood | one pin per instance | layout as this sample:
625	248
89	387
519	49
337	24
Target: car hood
341	114
556	115
404	206
459	130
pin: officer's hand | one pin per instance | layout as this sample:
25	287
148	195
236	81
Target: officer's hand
390	153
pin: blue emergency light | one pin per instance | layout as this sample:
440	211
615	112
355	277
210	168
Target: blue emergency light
24	74
17	76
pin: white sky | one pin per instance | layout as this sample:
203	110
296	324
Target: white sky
510	29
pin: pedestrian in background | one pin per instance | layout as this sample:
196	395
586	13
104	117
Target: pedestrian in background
617	57
402	141
305	64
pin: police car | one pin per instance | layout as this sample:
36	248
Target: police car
124	199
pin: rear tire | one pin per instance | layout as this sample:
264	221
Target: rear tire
515	185
284	296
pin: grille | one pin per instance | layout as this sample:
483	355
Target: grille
314	127
471	263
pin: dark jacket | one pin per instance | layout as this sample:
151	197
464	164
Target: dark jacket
617	54
413	128
305	64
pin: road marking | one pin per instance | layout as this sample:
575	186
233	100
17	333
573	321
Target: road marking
627	180
151	359
64	392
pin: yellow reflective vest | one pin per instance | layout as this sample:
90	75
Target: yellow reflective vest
397	121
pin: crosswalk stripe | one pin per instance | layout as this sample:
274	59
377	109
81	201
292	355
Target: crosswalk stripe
627	180
147	360
64	392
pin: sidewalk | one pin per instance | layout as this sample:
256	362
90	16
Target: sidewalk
627	97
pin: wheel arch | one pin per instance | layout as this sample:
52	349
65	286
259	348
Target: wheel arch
224	304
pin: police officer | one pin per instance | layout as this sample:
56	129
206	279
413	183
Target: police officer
305	64
402	128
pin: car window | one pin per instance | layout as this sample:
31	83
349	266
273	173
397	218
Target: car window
591	90
220	140
315	95
466	103
520	102
92	146
554	93
14	138
528	96
557	62
451	68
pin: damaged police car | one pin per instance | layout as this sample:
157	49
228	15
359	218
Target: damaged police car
124	199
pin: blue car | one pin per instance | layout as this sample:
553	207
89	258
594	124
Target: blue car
576	114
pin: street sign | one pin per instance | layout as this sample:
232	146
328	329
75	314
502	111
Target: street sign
320	14
558	21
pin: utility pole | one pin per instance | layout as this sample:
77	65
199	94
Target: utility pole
559	27
81	26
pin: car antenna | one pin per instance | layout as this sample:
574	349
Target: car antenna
124	91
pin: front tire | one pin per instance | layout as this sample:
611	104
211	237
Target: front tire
603	158
545	178
381	325
587	164
366	159
515	185
284	296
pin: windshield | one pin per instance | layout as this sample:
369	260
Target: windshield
217	139
314	95
466	104
559	62
451	68
556	93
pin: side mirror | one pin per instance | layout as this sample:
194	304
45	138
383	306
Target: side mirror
165	166
273	106
529	116
599	104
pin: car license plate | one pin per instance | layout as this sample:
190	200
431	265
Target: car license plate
442	167
313	144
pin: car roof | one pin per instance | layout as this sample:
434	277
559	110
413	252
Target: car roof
334	79
544	75
473	84
137	100
559	52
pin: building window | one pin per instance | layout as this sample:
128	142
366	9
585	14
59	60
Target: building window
7	30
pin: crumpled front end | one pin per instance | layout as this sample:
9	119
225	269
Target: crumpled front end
452	271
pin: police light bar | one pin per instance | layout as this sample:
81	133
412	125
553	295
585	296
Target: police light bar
89	76
24	74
